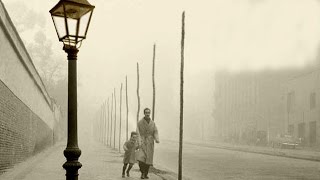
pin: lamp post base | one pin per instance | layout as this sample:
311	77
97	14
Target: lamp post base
72	165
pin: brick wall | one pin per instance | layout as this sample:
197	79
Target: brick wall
22	132
18	72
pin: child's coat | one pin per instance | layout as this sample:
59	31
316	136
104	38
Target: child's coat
129	147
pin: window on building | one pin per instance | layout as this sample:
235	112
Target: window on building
302	131
313	100
291	129
313	132
290	101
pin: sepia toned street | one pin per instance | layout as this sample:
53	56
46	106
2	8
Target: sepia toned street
204	163
199	162
159	90
98	163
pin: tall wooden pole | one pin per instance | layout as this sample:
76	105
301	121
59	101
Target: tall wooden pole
111	120
101	114
120	118
115	118
108	120
106	117
181	100
94	127
98	129
105	123
153	82
101	125
127	130
138	92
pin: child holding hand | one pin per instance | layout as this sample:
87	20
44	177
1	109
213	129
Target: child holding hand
129	156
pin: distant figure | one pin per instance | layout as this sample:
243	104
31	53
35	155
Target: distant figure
129	156
148	133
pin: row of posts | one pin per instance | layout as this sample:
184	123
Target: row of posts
107	124
106	120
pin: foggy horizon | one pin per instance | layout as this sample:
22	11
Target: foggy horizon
220	35
251	67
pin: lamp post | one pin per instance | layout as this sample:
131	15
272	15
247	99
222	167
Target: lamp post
71	19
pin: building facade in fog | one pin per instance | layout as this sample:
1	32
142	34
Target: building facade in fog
302	107
250	105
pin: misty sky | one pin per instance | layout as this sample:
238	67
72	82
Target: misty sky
220	34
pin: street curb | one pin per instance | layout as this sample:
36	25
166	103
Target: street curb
271	153
168	175
256	151
163	174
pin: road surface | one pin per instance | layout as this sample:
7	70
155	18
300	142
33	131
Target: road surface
205	163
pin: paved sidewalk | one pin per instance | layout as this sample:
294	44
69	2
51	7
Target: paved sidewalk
99	162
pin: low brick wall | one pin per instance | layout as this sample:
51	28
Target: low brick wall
22	132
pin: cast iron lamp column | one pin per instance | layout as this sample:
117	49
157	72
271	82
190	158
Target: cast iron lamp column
66	16
72	151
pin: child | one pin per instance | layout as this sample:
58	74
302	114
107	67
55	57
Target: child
129	155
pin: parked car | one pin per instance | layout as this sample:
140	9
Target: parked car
285	141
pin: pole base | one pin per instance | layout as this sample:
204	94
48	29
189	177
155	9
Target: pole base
72	165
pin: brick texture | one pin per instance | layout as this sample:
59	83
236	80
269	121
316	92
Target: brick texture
22	132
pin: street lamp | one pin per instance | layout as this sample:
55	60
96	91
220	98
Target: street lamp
71	19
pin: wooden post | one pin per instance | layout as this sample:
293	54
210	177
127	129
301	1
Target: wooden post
153	82
98	127
101	125
127	130
108	124
181	100
115	118
105	123
138	92
111	120
120	118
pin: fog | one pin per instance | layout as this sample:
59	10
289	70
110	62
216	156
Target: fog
221	35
